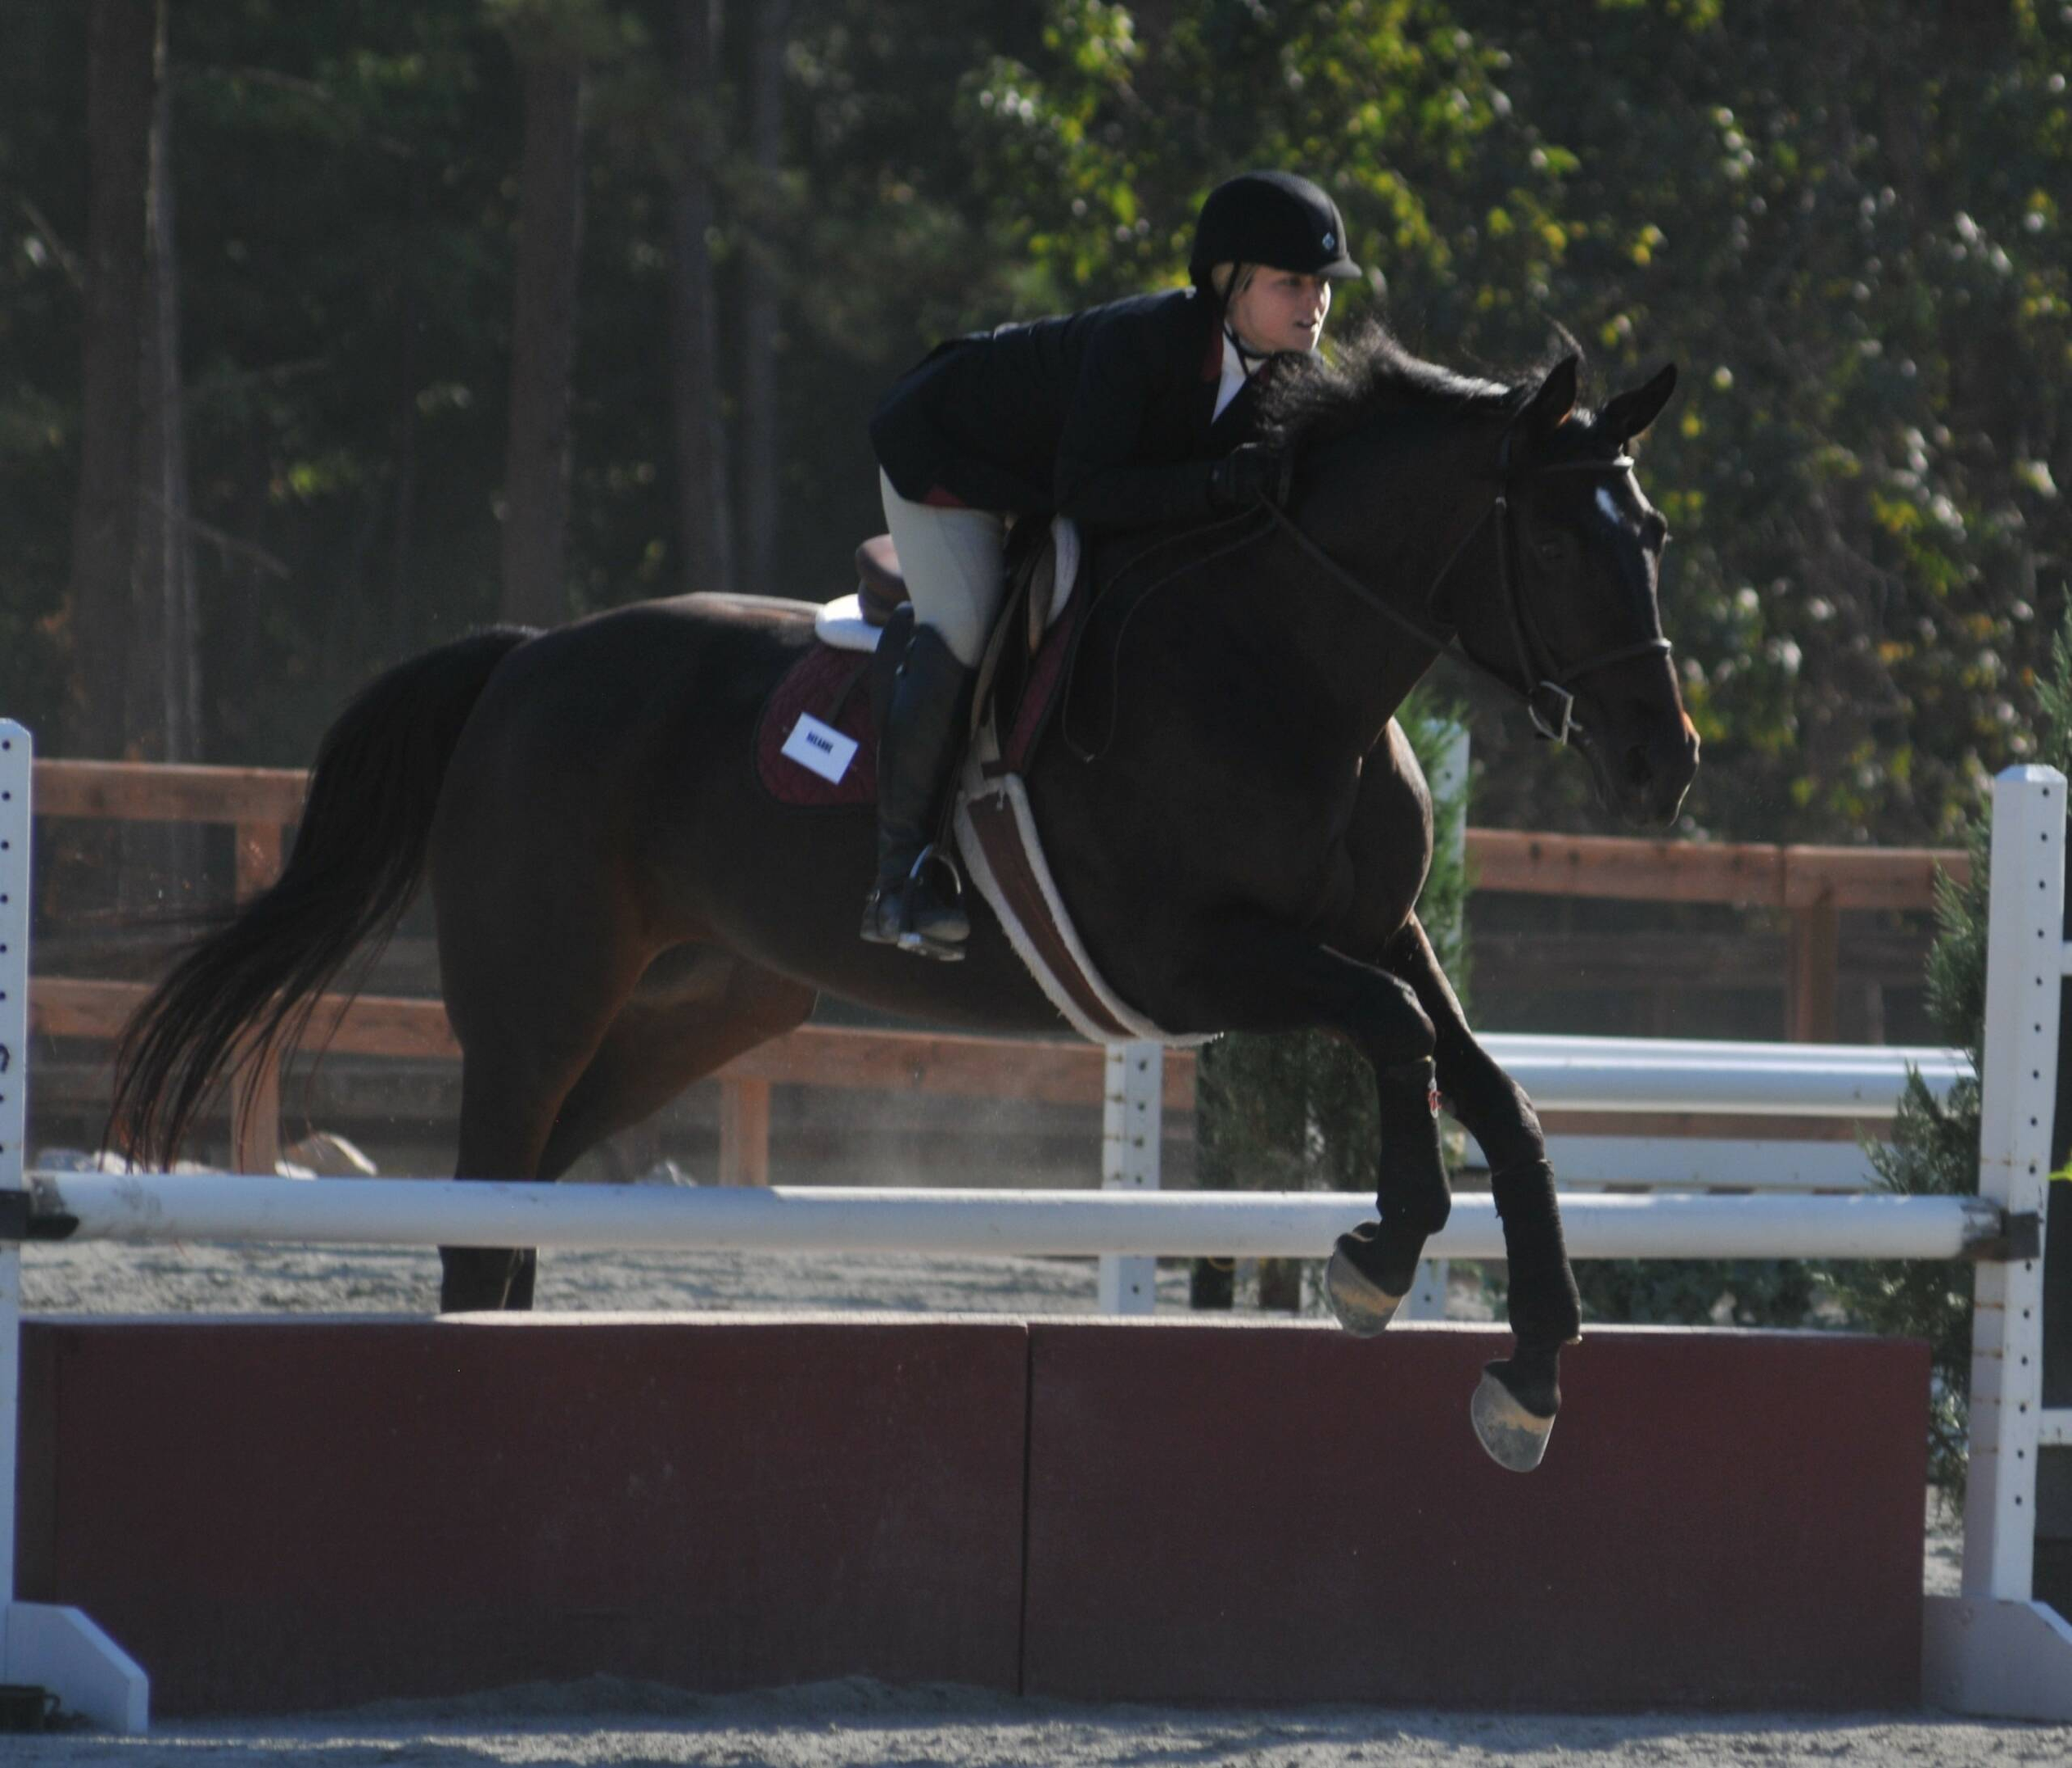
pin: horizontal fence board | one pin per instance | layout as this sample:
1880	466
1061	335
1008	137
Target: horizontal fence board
1742	873
166	792
1063	1072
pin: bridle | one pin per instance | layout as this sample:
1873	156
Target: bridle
1546	690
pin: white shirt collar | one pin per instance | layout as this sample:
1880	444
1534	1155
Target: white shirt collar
1235	373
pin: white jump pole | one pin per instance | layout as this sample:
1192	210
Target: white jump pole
1768	1080
1993	1649
42	1646
227	1208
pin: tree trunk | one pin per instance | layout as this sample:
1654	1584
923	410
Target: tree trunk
163	718
703	525
402	639
761	290
543	334
163	723
121	76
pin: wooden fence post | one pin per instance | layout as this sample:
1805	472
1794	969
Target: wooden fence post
255	1088
744	1132
1816	963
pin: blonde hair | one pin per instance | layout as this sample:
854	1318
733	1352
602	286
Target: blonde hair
1222	275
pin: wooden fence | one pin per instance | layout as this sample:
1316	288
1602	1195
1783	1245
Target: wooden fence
1812	885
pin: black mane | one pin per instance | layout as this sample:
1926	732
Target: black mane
1309	400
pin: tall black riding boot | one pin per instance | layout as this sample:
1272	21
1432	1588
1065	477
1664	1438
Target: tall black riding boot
918	903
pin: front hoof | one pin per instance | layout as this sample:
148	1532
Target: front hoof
1514	1436
1360	1304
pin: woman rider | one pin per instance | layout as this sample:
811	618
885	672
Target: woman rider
1121	416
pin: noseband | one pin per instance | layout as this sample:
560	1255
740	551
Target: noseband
1546	690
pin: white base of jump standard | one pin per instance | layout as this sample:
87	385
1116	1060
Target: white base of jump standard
2000	1660
61	1650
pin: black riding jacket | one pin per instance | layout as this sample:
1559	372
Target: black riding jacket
1106	415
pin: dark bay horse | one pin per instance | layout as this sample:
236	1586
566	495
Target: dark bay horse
622	907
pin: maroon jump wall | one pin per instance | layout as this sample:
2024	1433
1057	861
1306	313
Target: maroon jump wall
285	1514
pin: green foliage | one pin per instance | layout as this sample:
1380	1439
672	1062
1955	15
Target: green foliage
1935	1152
1871	301
1699	1291
1870	296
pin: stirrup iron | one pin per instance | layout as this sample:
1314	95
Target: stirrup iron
932	861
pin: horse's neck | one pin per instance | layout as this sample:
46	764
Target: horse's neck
1394	536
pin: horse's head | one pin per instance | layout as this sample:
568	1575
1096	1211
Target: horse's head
1575	622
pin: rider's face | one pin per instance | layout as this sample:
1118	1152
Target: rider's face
1280	310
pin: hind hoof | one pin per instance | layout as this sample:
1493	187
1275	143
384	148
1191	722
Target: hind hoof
1360	1304
1515	1438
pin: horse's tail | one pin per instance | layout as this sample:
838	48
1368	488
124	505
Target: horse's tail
249	987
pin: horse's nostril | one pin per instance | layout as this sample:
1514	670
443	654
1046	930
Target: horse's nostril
1638	772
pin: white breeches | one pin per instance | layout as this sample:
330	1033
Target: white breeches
954	563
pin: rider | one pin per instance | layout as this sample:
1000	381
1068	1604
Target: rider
1119	415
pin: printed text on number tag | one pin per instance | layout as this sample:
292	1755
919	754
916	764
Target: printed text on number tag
820	748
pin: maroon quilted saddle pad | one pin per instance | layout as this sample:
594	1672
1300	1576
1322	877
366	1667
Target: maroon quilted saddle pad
826	691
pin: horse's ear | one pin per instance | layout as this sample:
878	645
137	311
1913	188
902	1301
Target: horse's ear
1630	413
1555	400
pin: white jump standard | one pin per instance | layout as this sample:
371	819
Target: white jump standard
41	1645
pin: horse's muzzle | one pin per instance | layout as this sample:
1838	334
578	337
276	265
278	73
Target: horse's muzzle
1651	775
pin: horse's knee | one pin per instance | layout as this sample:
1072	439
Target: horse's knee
1514	1137
1395	1028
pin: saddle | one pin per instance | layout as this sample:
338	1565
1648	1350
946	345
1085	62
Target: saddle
1042	574
817	745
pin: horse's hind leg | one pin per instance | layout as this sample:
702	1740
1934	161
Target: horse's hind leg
511	1091
696	1009
706	1010
536	965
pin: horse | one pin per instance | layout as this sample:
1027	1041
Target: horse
1239	828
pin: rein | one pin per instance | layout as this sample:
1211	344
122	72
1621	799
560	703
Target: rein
1547	693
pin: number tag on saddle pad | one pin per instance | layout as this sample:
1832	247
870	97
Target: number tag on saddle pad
820	748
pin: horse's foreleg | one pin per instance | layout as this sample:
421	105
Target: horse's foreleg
1546	1311
1275	978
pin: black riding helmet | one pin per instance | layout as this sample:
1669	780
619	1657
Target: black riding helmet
1270	217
